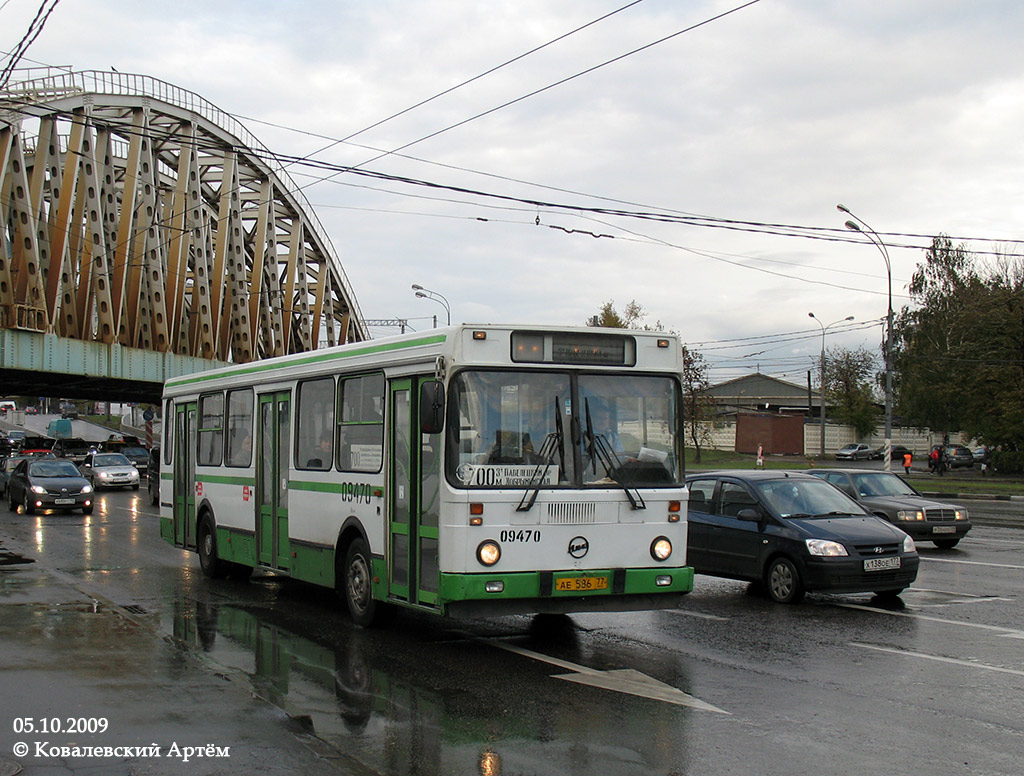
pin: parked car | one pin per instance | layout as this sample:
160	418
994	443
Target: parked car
896	453
110	470
854	452
958	456
74	449
48	483
793	533
153	476
980	454
892	498
8	465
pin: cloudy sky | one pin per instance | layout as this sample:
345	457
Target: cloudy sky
909	112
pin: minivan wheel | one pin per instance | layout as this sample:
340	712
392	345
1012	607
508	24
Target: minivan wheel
783	582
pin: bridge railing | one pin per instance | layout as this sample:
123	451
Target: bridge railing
54	83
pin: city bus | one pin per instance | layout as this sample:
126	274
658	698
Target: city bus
467	471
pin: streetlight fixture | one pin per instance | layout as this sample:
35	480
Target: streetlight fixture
426	293
824	328
855	225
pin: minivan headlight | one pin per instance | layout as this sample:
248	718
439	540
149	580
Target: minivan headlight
825	548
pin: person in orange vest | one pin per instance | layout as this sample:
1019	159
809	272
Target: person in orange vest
908	458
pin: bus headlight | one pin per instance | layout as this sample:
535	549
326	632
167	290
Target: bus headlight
488	553
661	548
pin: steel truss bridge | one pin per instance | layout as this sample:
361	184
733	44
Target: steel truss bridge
145	233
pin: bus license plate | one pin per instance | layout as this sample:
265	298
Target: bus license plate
63	501
580	584
944	529
881	564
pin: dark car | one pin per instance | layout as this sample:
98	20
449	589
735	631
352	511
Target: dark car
153	476
138	455
793	533
896	453
958	456
854	452
48	483
73	449
7	466
892	498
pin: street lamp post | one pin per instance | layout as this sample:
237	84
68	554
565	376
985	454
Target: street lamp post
855	225
426	293
821	387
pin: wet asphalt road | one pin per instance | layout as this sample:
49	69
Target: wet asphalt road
728	684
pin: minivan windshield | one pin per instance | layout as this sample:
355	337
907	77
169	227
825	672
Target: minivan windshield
809	497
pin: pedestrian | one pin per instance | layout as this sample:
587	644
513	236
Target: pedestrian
760	456
908	458
933	460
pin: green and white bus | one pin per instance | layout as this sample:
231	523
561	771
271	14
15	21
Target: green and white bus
467	471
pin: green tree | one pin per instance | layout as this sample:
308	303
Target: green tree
960	346
847	389
935	338
697	404
630	318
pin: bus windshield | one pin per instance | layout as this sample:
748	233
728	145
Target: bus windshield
550	429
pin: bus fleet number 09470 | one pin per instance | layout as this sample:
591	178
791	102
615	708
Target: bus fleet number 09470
522	535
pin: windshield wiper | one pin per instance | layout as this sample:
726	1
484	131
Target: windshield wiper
599	448
552	442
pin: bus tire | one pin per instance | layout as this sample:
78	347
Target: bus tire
206	545
356	586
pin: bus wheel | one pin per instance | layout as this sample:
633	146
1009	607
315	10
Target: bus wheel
206	543
357	587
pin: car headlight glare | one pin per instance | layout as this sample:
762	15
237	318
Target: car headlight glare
908	544
825	548
961	514
661	548
104	475
87	489
910	514
38	489
488	553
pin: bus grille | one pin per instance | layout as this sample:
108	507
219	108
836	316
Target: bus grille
571	513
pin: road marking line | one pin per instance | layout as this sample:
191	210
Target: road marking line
624	680
1009	633
700	615
972	563
954	661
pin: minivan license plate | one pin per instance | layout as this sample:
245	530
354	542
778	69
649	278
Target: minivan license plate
881	564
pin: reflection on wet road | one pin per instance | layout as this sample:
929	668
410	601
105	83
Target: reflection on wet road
838	684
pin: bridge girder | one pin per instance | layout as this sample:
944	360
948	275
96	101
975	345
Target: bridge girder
133	212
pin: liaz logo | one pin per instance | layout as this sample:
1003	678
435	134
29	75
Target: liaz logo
578	547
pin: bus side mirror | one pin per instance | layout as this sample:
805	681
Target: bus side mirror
432	407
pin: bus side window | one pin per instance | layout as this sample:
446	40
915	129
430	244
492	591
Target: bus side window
361	424
315	420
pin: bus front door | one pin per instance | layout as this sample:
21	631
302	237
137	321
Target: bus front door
273	548
415	467
184	498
